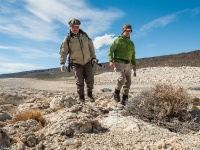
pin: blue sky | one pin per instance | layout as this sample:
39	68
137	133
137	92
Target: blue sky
31	31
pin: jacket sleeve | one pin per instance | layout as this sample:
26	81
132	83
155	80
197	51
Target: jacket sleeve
64	49
91	48
133	61
113	47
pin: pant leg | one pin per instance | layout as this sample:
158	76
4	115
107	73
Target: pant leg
127	84
89	76
120	75
79	76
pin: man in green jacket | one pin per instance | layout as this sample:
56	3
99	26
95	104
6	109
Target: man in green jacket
80	49
122	58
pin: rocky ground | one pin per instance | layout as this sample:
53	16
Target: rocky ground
100	125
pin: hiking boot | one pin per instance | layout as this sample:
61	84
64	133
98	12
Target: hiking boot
91	96
116	95
124	99
81	99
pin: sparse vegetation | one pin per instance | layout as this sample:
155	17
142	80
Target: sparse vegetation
165	105
29	114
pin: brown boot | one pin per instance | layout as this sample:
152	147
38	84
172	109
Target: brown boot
91	96
116	95
81	99
124	99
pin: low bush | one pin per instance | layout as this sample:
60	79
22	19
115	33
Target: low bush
163	104
29	114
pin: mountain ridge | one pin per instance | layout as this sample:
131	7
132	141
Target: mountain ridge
173	60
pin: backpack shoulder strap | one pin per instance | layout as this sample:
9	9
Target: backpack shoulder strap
69	58
68	40
81	31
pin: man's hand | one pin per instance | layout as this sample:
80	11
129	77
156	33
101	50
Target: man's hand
112	64
62	67
93	61
134	68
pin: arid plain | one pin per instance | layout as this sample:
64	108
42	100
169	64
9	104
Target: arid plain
98	125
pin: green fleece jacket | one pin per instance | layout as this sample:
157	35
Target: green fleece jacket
122	48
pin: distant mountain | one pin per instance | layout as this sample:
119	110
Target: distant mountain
176	60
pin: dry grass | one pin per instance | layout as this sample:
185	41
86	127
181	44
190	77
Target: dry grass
163	104
29	114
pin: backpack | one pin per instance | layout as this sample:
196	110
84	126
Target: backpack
68	41
70	34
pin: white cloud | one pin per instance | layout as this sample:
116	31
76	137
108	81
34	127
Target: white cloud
27	52
195	11
102	44
15	63
19	23
159	23
3	58
10	67
41	20
64	10
100	41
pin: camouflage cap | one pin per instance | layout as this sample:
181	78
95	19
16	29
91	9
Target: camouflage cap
126	27
74	22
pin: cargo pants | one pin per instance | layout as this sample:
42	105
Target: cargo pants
84	74
123	72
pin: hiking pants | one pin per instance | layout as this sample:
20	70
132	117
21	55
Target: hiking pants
123	72
84	73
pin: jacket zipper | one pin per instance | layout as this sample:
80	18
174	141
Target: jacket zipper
81	45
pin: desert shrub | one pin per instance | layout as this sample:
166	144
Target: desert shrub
160	101
29	114
166	105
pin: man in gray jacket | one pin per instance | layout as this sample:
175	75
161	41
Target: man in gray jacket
82	56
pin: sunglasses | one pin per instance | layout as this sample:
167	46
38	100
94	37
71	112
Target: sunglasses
128	31
75	27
